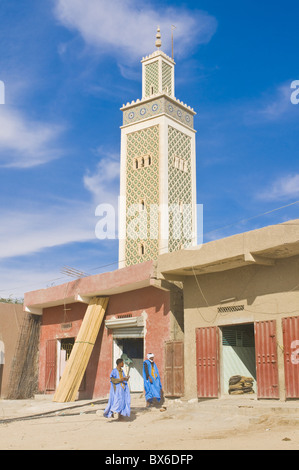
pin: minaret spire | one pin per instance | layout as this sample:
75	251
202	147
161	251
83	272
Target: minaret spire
158	38
157	176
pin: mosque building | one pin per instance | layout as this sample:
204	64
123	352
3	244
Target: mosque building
223	310
158	167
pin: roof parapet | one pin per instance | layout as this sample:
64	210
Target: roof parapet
142	100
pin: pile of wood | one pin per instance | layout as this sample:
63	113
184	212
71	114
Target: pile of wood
239	385
81	352
24	369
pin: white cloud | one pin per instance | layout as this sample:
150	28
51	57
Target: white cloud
25	143
279	104
104	182
286	187
126	28
23	232
16	281
272	106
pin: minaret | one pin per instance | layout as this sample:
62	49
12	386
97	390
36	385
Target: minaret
158	168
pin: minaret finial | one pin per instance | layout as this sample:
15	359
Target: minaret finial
158	38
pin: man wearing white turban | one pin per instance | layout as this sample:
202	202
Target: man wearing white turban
152	381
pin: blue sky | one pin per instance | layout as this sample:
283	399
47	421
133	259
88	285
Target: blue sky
69	65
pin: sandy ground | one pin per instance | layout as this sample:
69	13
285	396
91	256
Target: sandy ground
239	424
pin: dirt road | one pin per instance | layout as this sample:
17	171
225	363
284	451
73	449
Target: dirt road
178	426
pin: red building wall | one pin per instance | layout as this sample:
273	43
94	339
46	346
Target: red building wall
64	322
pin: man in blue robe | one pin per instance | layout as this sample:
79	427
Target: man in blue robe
152	381
119	399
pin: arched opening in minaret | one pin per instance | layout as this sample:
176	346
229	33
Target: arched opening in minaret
142	205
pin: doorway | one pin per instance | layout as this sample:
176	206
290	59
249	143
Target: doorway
132	348
247	350
65	347
238	359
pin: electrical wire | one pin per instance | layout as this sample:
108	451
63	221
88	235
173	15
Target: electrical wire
255	217
217	313
159	251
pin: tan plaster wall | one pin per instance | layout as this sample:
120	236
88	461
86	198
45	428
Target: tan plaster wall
267	292
11	319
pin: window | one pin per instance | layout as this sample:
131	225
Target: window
240	335
180	163
142	162
67	346
231	308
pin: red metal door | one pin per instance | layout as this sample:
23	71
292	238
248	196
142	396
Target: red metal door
207	362
266	359
50	373
290	328
174	369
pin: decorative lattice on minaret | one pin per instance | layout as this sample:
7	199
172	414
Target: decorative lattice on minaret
158	185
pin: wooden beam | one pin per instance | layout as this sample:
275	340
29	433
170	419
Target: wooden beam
76	365
34	311
256	259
